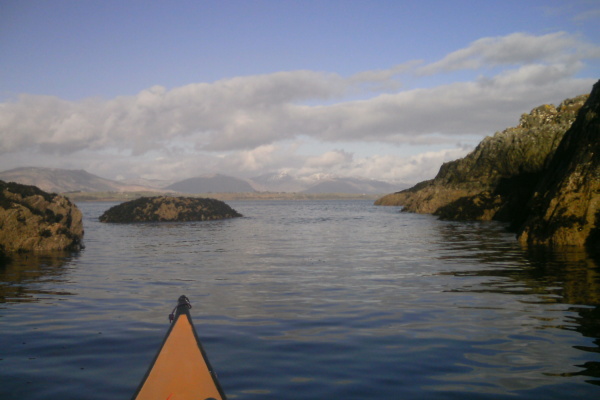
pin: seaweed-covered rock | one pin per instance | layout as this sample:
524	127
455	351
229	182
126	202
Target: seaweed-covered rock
34	220
166	208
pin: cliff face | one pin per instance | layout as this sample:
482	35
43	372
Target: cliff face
164	209
494	179
565	208
542	176
33	220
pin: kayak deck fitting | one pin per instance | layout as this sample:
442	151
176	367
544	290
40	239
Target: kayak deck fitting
181	369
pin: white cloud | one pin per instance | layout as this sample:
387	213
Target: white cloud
588	15
515	49
330	159
252	124
412	169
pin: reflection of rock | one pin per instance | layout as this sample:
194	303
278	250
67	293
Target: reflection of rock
572	274
33	220
565	209
20	273
164	208
550	277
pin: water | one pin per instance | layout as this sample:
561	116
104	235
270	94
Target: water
306	300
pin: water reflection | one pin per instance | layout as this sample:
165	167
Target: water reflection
540	276
23	276
588	324
573	271
341	302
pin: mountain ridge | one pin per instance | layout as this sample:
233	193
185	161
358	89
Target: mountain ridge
214	183
57	180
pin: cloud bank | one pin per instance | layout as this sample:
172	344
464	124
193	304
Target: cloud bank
253	124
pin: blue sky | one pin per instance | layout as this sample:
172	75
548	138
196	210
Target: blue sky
376	89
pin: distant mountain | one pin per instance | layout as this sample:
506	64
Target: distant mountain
212	184
321	183
149	183
56	180
278	182
353	186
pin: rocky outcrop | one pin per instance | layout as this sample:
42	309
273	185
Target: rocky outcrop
165	208
497	178
565	208
542	176
34	220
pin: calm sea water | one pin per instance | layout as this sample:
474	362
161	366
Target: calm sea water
306	300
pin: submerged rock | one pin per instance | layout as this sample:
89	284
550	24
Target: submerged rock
34	220
166	208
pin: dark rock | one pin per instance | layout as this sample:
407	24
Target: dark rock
34	220
565	208
165	208
482	206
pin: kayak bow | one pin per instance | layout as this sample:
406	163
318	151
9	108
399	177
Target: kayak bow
181	369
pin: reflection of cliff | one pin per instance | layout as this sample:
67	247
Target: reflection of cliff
574	274
22	276
545	277
557	277
588	324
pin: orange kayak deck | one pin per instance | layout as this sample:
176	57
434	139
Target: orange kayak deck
181	369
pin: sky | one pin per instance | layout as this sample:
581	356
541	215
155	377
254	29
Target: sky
385	90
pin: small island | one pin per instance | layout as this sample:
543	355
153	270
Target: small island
169	209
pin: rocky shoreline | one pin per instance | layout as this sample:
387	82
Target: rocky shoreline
546	166
34	220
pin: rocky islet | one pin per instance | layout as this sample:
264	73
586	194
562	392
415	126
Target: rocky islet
169	209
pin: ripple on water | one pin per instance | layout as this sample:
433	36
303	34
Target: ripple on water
297	300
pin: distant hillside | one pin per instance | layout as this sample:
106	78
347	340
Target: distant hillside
212	184
317	184
352	186
278	182
56	180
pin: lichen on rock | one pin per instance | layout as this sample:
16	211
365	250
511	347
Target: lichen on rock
167	208
34	220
